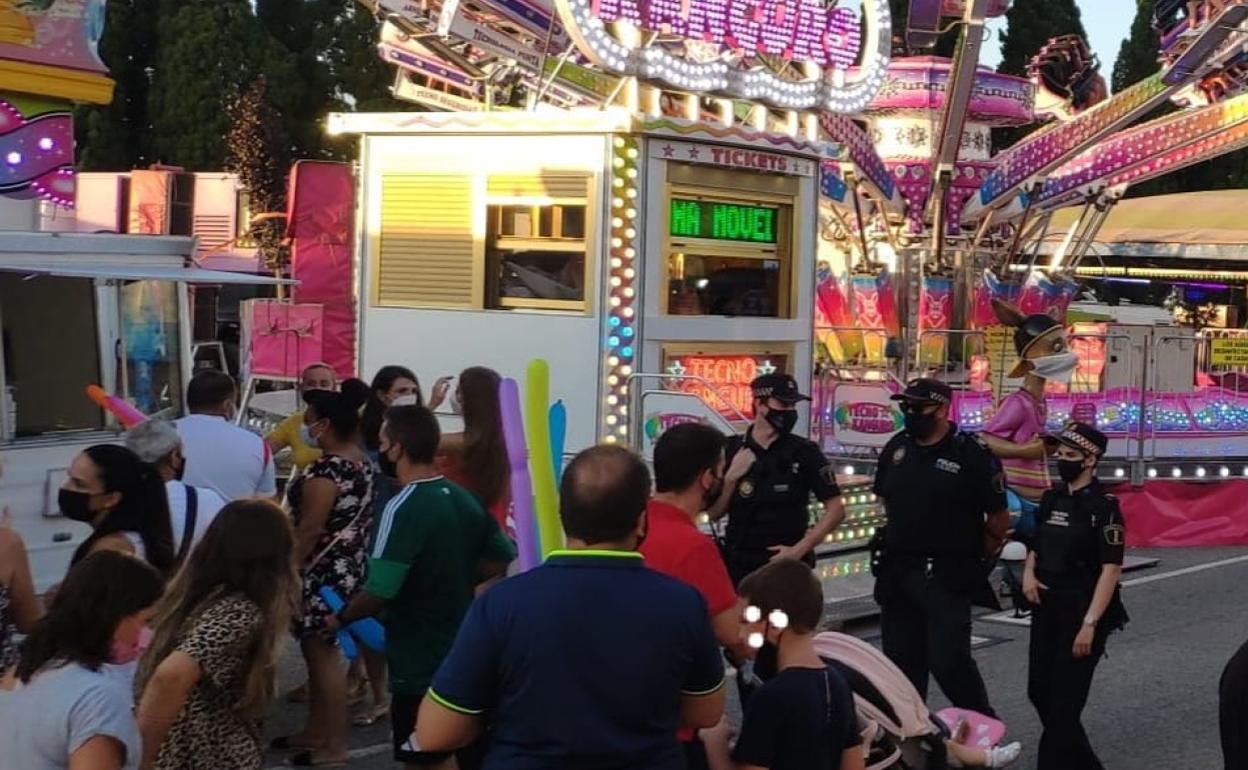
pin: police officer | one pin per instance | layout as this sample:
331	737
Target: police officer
770	478
1072	577
944	496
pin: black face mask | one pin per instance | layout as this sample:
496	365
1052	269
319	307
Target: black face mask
75	506
711	495
920	426
180	472
767	661
1069	470
782	421
387	466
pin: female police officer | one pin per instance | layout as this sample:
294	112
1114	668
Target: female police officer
1072	577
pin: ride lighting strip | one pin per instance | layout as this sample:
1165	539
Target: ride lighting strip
620	327
1094	271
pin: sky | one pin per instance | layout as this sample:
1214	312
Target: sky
1108	23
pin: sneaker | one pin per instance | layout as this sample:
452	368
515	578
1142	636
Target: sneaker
1004	756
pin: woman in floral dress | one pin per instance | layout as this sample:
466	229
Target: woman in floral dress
331	502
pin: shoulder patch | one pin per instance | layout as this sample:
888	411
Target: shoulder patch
899	454
1115	534
828	473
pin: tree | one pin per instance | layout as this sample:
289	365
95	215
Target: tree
298	66
1137	57
257	148
207	50
115	136
361	80
1030	25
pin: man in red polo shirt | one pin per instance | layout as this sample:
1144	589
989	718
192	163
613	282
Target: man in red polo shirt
688	477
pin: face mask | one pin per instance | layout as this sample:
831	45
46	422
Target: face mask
453	401
75	506
387	466
782	421
920	426
180	472
712	494
305	435
128	653
1059	367
1069	470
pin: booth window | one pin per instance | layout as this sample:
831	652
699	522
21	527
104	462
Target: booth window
150	346
51	353
535	255
728	257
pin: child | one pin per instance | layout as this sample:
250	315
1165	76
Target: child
803	717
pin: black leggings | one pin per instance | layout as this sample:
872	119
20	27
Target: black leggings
1233	711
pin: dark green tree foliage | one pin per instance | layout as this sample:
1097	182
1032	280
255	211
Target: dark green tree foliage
299	80
258	150
1031	24
1137	57
361	80
207	51
115	137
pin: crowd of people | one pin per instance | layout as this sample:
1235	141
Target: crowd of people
159	647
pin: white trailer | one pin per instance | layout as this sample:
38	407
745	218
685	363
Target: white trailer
79	309
657	264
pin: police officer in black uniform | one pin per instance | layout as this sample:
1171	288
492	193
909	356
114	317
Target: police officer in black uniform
770	478
1072	578
944	496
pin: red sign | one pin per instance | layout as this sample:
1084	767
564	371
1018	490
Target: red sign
722	381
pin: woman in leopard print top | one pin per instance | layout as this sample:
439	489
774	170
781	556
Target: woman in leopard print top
208	677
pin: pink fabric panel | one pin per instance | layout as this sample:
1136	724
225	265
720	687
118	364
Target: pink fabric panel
284	337
1173	514
320	222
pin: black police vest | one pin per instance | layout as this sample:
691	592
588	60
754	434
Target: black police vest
771	504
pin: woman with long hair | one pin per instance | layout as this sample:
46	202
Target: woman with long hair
208	677
390	383
19	608
59	708
332	506
476	459
124	501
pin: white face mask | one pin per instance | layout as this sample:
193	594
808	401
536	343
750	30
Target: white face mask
453	401
1059	367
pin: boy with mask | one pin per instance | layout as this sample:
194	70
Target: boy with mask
767	487
803	717
944	499
1072	579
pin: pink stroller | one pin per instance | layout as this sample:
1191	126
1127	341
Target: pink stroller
896	726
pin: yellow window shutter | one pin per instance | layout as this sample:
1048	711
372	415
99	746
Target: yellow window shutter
427	254
567	186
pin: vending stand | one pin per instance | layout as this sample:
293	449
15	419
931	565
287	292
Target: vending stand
620	249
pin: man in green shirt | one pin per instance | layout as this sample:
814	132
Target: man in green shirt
433	546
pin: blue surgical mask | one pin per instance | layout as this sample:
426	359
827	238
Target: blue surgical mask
305	435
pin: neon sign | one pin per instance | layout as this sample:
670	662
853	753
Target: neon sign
723	221
722	381
731	36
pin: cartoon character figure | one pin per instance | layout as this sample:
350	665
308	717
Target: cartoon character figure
1014	432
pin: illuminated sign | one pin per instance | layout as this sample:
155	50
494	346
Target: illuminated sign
722	381
733	157
864	415
723	221
719	46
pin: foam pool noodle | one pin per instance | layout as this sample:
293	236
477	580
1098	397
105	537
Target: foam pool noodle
558	438
537	425
127	415
367	630
527	545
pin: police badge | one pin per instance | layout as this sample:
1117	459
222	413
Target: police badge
746	489
898	454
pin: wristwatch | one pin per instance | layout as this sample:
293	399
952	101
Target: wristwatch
1089	620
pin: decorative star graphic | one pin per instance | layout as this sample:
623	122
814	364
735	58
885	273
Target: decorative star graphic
676	368
767	367
694	153
669	151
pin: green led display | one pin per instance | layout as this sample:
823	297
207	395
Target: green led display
723	221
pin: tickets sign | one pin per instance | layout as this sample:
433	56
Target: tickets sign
718	46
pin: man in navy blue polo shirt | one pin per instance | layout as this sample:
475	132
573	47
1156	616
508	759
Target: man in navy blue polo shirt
590	660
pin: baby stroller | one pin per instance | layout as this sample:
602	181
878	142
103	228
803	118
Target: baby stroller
896	726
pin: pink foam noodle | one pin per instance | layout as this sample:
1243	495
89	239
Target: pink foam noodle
523	510
126	414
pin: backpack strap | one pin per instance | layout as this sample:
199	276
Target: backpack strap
192	514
